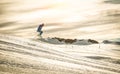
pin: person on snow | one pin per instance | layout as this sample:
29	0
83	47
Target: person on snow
40	29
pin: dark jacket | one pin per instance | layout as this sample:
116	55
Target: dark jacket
39	28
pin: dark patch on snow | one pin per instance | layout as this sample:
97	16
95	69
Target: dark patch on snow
112	1
65	40
111	42
56	40
93	41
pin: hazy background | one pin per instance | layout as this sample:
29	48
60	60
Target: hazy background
96	19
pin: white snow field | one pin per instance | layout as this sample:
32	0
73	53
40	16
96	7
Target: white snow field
25	56
89	32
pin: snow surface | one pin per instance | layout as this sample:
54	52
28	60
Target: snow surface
26	56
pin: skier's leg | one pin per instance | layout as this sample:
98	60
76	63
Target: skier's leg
41	33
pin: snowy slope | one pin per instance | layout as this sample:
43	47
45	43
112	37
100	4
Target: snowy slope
25	56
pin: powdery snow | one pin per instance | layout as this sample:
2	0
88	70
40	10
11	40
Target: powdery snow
25	56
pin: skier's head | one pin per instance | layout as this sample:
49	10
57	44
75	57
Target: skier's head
42	24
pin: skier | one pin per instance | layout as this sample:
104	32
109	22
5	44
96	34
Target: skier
40	29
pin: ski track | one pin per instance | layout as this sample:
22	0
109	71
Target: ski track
33	56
